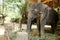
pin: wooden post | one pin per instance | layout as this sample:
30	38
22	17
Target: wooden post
20	24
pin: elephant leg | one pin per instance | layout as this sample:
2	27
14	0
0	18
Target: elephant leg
42	24
29	20
42	30
38	24
53	28
29	25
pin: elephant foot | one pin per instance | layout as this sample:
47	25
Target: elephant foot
42	37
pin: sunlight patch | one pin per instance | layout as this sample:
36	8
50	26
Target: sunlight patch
2	30
47	26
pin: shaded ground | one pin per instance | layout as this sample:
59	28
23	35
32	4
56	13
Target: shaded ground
33	35
48	36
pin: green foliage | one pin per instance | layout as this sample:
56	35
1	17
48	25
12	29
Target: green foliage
13	8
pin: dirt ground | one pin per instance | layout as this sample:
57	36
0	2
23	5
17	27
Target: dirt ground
33	36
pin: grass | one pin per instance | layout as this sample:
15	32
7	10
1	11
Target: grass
48	36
